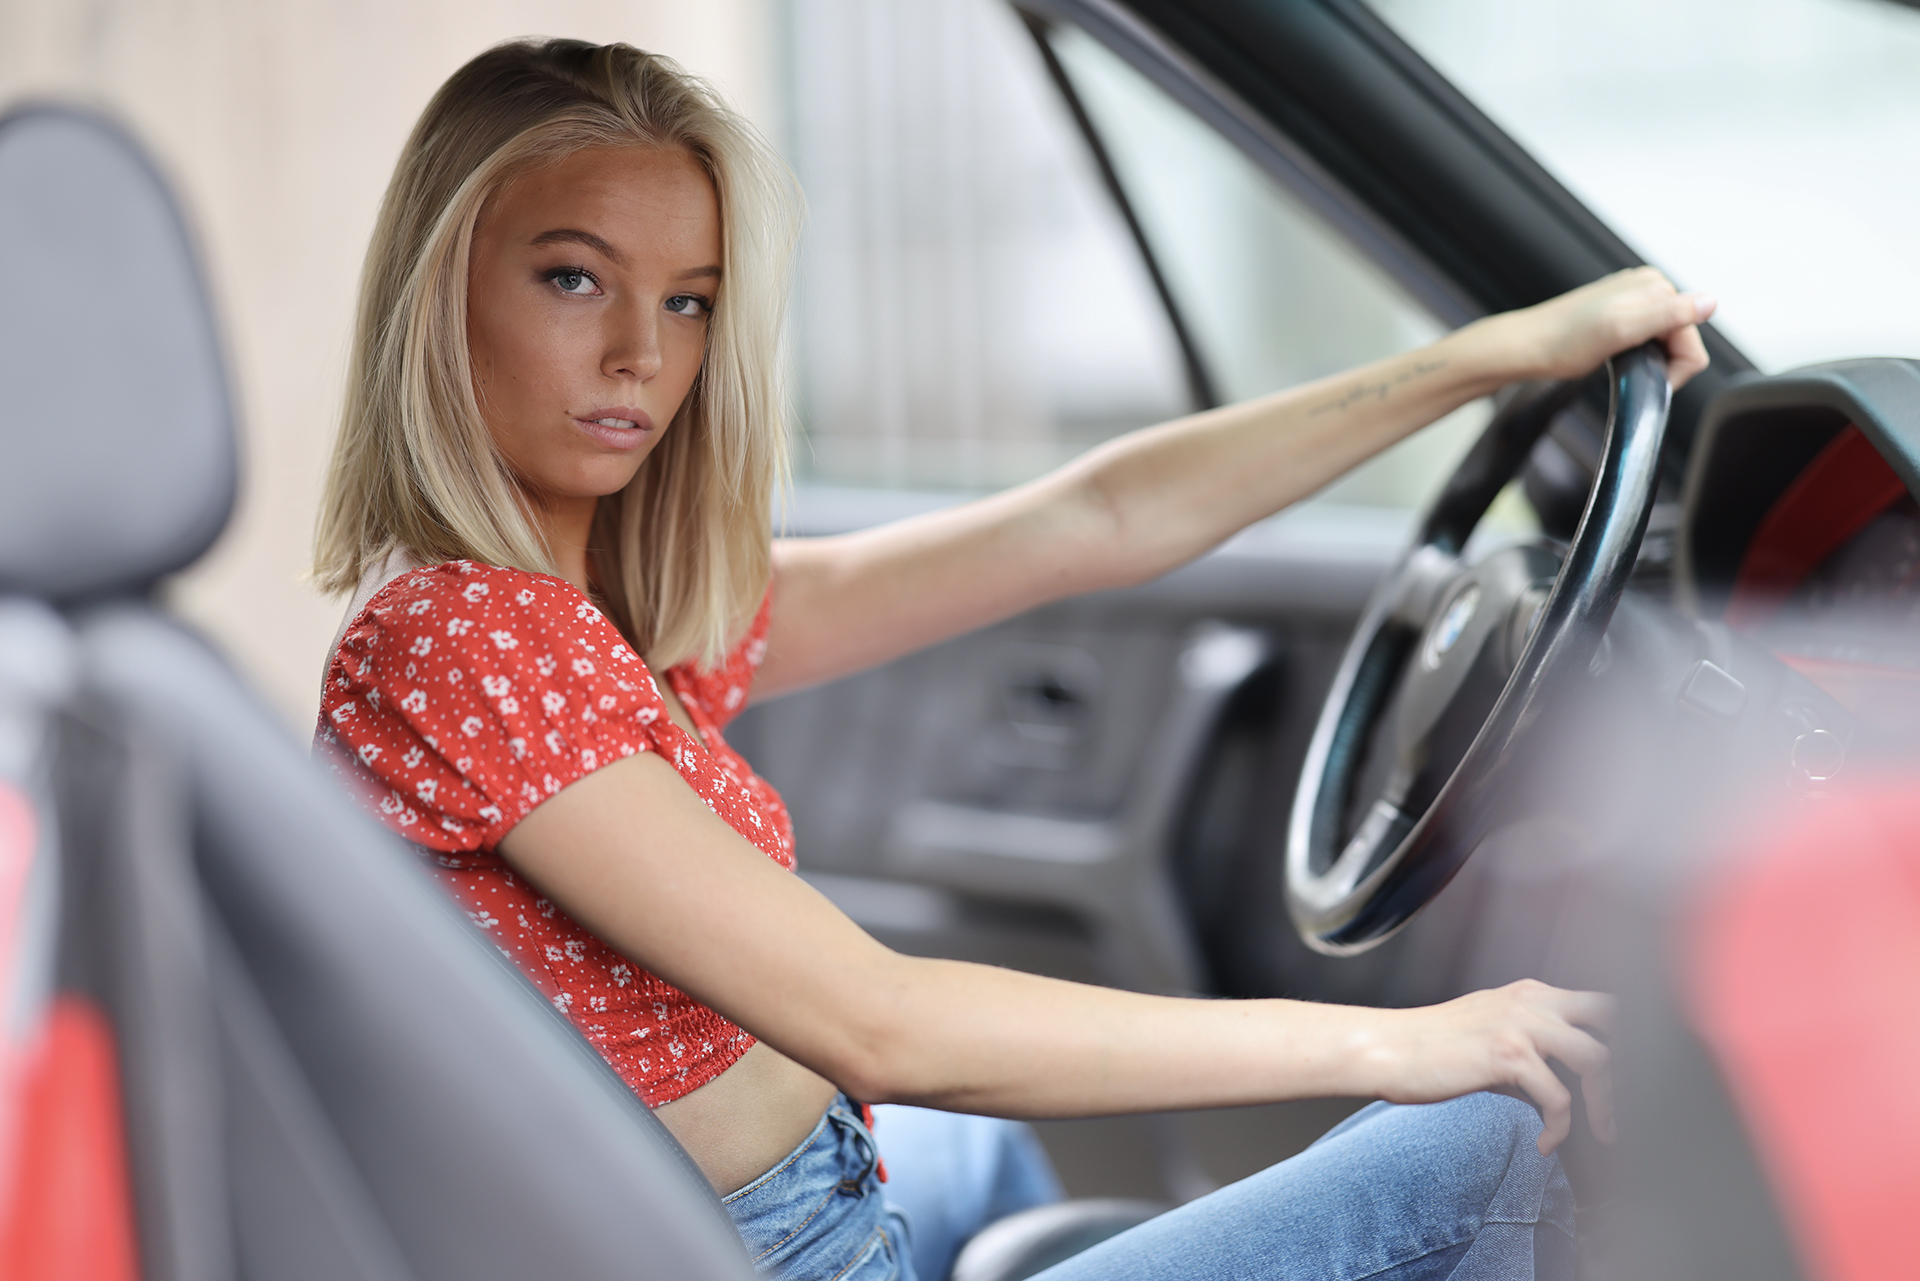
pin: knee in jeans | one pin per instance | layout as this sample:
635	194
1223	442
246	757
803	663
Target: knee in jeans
1498	1120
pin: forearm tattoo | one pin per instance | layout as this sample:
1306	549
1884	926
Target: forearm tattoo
1376	390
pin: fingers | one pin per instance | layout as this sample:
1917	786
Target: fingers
1592	1062
1686	352
1555	1031
1597	1090
1672	317
1555	1104
1586	1009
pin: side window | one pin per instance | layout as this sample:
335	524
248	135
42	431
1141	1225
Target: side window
973	308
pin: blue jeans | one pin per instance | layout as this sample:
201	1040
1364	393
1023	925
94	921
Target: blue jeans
1449	1190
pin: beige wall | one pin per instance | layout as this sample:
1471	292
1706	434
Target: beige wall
278	122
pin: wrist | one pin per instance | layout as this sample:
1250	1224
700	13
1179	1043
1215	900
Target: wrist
1367	1059
1496	350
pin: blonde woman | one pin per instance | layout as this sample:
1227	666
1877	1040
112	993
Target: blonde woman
551	495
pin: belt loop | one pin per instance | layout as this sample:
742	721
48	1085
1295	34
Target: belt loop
866	1119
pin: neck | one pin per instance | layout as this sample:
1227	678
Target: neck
567	525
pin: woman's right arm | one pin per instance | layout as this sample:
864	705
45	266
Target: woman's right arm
685	896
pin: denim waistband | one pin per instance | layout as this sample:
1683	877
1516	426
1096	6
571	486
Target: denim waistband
819	1214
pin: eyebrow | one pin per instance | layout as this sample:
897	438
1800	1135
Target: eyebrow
568	235
572	235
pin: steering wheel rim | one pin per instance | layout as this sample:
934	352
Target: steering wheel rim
1410	658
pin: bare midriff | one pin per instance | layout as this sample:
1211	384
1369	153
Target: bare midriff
736	1126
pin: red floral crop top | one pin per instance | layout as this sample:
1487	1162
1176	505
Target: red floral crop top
470	694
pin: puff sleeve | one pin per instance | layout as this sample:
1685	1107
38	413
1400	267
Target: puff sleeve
471	694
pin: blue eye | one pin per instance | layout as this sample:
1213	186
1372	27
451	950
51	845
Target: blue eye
573	280
692	305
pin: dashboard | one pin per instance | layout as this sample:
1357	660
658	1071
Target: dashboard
1800	528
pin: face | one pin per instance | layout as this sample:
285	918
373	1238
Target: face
588	295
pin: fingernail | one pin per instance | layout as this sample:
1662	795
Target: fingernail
1703	306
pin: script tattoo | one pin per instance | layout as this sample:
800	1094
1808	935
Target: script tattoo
1378	390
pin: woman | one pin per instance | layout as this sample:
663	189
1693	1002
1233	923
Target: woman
552	491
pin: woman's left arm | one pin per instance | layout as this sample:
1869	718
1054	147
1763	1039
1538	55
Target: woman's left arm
1139	505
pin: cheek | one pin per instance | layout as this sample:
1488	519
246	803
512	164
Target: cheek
683	357
514	357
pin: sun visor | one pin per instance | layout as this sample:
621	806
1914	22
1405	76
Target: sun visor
116	432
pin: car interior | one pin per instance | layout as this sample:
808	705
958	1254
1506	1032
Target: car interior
1372	758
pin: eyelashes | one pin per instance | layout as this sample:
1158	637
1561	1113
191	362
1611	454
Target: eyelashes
569	279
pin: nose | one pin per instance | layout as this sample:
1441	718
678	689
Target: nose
632	342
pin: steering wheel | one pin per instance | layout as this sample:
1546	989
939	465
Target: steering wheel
1439	700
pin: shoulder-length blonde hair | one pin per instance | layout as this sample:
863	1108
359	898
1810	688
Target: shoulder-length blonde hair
682	553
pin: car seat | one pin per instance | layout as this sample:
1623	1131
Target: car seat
243	1035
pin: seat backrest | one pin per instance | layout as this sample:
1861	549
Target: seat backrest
225	988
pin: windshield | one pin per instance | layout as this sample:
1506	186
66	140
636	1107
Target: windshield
1767	151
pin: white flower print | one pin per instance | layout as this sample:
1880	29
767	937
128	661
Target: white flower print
555	744
459	626
607	701
344	713
554	953
503	639
622	975
415	702
547	664
584	610
483	918
563	1002
369	753
496	685
425	792
576	950
583	667
473	592
509	706
413	757
472	726
524	597
422	646
589	760
419	607
518	746
553	702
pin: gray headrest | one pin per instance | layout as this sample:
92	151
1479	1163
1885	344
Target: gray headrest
116	434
